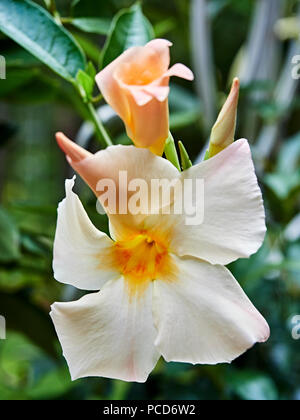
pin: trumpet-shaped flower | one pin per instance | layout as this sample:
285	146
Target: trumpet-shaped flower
136	85
163	286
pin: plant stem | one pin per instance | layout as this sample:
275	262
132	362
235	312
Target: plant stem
100	131
51	6
66	20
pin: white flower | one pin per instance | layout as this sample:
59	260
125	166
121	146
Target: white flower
163	286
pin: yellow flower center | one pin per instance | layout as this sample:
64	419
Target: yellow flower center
142	259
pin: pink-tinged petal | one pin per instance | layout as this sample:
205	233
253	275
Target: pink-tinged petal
180	70
159	44
108	163
234	218
162	50
78	246
141	96
160	93
108	334
74	152
112	164
204	317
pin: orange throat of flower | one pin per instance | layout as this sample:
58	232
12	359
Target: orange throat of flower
141	259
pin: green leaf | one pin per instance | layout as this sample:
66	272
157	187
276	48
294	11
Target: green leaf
283	184
9	238
40	89
183	119
182	99
171	153
35	245
129	28
91	49
34	29
185	107
53	384
251	385
90	70
164	26
289	156
18	57
14	279
16	79
119	390
86	84
24	316
27	372
206	156
92	25
74	2
184	157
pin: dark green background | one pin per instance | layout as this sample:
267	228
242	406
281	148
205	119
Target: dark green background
35	103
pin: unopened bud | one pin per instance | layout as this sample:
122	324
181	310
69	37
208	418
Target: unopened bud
222	133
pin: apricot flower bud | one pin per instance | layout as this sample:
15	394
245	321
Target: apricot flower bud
136	86
222	133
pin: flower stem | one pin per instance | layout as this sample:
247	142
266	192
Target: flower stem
171	152
100	131
51	6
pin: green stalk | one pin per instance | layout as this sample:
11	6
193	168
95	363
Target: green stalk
51	6
100	131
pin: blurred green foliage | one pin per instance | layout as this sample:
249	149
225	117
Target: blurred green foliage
36	102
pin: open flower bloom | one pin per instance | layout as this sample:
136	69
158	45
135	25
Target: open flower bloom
136	85
164	288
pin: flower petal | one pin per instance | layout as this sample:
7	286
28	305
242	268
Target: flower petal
109	87
149	124
108	334
154	57
180	70
141	96
234	218
136	85
123	164
77	246
161	48
204	317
